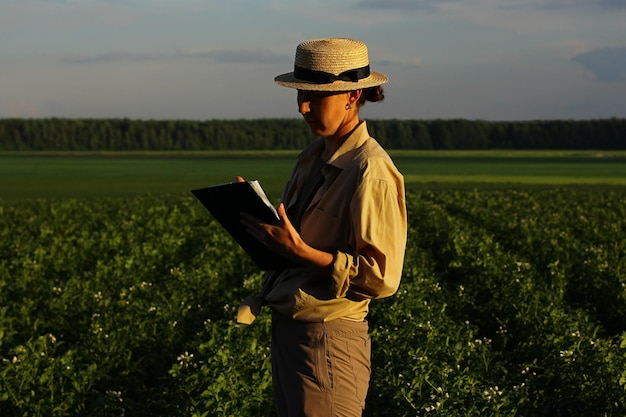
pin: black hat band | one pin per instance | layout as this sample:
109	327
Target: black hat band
321	77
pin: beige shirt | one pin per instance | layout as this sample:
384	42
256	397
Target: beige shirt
358	214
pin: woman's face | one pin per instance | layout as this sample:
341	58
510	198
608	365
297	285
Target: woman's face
325	112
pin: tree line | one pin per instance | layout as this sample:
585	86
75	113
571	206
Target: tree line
57	134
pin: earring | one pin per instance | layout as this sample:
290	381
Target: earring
348	106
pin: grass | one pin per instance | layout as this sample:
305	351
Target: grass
66	175
86	174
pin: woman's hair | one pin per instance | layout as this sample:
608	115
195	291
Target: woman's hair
371	94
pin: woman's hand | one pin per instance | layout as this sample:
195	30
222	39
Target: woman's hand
285	240
281	237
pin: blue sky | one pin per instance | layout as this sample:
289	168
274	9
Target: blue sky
206	59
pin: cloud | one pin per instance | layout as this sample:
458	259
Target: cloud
219	56
605	4
398	62
229	56
606	64
403	5
536	5
560	5
614	3
119	56
224	56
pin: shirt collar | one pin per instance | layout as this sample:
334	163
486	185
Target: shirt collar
358	136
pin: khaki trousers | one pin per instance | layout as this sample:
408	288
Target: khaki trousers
320	369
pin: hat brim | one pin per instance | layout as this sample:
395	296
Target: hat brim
373	80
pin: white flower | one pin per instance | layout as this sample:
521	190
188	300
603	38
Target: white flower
115	394
491	392
184	359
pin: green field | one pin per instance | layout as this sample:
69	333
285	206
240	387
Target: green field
512	301
34	175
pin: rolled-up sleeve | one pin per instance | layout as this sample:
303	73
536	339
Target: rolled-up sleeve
379	222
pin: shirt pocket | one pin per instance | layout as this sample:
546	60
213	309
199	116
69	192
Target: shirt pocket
323	230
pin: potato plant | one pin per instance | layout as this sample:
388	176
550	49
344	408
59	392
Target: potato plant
513	303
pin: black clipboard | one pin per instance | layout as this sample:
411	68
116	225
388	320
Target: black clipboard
226	201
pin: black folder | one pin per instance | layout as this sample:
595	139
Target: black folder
226	201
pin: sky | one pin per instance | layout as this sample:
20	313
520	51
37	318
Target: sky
498	60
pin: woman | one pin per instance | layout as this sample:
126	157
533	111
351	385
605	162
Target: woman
343	221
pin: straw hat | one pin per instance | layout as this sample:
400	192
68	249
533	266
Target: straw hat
331	64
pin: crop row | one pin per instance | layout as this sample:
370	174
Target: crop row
512	303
